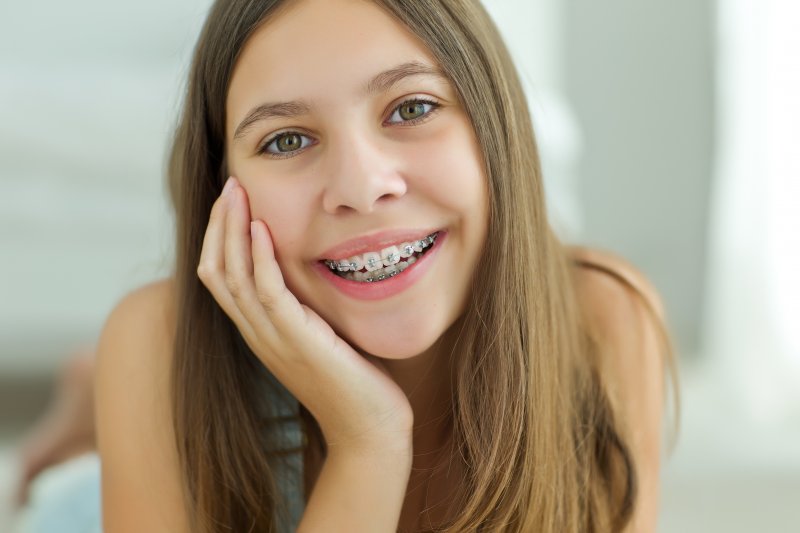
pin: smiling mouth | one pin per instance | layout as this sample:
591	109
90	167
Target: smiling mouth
372	267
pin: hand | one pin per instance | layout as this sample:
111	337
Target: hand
351	396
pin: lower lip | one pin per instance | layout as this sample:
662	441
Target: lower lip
379	290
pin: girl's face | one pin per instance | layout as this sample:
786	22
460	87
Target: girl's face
348	141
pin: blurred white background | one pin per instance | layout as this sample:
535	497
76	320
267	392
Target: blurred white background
669	134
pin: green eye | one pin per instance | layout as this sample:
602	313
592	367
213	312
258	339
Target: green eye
412	111
285	144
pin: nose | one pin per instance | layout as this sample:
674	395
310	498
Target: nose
363	175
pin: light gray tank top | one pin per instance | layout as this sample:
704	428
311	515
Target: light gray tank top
289	477
289	470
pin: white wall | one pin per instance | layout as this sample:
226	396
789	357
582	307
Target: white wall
640	76
88	91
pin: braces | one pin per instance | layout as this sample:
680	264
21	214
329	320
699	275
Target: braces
410	248
397	270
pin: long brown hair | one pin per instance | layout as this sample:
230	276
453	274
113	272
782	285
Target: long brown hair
531	421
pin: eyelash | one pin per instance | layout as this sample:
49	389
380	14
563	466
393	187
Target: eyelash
412	122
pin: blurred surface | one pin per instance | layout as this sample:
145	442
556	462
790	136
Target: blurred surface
657	143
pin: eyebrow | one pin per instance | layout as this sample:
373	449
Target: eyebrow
380	83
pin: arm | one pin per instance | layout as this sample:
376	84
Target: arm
627	314
359	491
141	480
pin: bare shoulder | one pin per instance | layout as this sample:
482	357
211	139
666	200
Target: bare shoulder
626	315
601	276
136	340
148	307
625	312
141	485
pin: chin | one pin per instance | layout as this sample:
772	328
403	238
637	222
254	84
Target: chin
395	342
381	349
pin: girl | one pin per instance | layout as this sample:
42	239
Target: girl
371	326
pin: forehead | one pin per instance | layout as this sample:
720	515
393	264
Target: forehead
313	49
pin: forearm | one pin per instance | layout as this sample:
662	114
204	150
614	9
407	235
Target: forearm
358	492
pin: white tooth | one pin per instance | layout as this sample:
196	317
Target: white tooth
406	250
359	276
355	263
418	246
402	266
412	260
391	269
372	261
343	265
390	255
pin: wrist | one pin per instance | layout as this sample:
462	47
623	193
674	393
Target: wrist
395	440
398	447
392	447
390	462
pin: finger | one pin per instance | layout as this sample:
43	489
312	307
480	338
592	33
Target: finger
211	267
211	257
280	305
239	268
238	260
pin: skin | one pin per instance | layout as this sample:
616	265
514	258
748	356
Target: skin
368	169
362	166
364	169
376	390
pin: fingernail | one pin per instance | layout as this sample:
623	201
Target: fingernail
228	186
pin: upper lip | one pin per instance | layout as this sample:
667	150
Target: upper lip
374	242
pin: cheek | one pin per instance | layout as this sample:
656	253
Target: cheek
451	169
286	209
